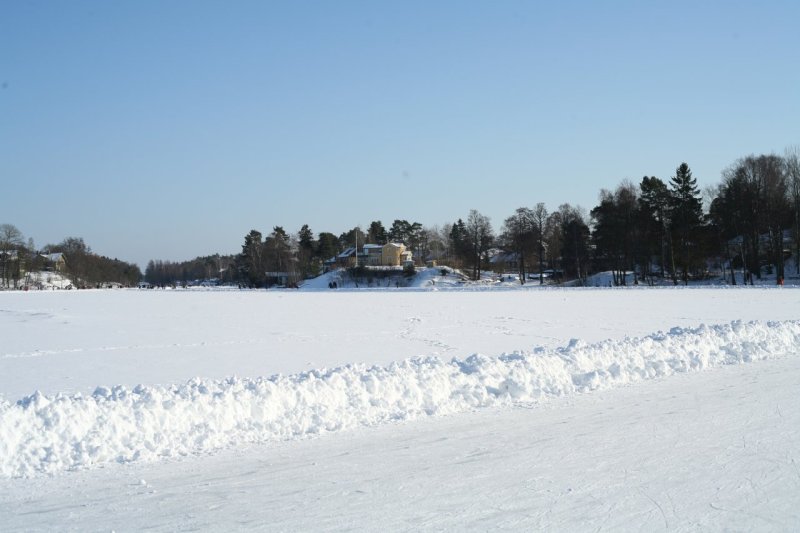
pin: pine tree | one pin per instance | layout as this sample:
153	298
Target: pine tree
376	233
458	242
327	246
305	238
654	212
686	214
251	260
305	252
279	251
400	231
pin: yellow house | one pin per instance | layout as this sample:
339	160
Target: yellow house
395	254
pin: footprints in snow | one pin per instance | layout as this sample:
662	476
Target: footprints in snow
408	334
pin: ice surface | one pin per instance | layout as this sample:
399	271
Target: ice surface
73	341
711	450
47	434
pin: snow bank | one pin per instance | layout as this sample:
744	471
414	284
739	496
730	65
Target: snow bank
394	278
48	434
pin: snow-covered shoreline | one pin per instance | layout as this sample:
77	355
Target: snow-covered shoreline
50	434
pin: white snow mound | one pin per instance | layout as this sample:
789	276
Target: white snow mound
48	434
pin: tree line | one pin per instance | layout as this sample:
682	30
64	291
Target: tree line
657	229
752	223
85	269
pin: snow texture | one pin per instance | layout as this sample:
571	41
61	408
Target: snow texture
49	434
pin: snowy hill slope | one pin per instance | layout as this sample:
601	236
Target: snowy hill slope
438	278
389	278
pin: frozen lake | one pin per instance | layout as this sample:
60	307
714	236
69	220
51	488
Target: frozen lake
550	428
75	341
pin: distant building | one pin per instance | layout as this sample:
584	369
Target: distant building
392	254
347	258
504	261
395	254
55	262
373	254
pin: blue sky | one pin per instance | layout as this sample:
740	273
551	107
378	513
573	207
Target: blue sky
170	129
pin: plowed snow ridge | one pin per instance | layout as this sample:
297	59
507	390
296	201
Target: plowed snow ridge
48	434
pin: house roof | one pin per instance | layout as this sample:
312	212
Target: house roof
347	253
503	257
55	258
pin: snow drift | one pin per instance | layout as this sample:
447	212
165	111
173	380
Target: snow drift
48	434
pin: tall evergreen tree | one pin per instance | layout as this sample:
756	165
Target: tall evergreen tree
251	261
376	234
459	242
686	215
327	246
417	241
400	231
305	238
279	252
305	252
655	201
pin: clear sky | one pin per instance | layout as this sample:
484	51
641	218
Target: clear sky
168	130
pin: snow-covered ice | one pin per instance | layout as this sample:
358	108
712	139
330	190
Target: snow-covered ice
75	341
544	409
52	433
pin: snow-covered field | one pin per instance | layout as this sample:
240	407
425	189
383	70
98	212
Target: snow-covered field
568	409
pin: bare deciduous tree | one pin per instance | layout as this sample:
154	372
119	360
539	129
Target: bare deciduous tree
11	240
539	223
792	161
519	236
479	235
